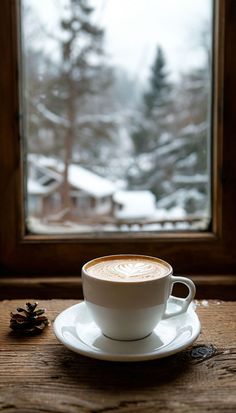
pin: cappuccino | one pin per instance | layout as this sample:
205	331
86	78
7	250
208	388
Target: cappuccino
127	268
127	294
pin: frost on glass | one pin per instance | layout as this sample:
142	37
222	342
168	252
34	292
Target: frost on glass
117	114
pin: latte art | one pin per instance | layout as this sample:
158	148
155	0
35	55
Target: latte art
127	269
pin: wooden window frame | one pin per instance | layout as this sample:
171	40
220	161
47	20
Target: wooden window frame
190	253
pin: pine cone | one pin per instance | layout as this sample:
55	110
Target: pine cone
27	321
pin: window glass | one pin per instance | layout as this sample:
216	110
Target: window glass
117	115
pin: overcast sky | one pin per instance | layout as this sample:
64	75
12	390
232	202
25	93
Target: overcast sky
134	28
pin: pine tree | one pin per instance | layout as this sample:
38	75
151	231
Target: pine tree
170	138
180	156
155	106
159	87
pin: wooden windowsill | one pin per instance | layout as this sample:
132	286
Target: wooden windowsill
208	286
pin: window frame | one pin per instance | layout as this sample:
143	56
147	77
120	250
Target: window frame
210	252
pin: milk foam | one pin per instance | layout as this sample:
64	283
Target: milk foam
127	269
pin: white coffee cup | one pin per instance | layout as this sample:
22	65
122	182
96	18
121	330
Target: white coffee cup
127	294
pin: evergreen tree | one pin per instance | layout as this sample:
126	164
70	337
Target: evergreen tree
176	169
159	87
170	139
155	105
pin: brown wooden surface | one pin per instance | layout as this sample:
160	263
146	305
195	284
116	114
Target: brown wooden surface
221	287
39	374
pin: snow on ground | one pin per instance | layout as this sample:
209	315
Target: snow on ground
135	204
174	213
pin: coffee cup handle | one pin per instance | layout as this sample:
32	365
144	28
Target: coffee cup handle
183	303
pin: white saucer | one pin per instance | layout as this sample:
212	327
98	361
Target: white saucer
75	328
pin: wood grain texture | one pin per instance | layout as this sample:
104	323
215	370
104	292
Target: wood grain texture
222	287
38	374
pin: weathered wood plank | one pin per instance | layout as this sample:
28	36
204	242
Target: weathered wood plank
210	286
38	374
214	315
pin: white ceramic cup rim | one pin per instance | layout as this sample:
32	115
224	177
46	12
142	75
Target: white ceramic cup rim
120	256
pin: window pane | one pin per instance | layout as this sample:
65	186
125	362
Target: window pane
117	115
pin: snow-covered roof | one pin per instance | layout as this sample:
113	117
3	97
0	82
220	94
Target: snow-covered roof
78	176
90	182
35	188
41	180
136	204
